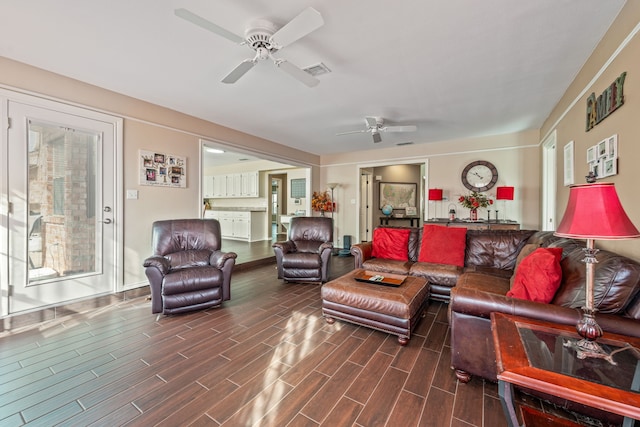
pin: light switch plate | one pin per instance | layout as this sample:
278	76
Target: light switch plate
132	194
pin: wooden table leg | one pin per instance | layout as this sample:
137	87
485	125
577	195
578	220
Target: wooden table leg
505	390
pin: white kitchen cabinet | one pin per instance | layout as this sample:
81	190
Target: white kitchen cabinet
245	184
250	181
207	187
241	225
219	186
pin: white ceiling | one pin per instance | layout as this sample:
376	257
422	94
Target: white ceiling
454	68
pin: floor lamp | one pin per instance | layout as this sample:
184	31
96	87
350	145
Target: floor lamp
332	186
504	193
435	194
593	212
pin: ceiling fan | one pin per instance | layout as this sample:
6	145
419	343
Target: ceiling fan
265	39
375	125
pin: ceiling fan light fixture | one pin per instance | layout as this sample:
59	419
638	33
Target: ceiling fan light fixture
265	38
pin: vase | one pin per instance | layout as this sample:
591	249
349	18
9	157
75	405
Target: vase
321	212
473	214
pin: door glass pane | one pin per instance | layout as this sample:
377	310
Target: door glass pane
62	201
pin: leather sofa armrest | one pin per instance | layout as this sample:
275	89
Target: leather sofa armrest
361	252
218	258
161	263
325	246
286	246
479	303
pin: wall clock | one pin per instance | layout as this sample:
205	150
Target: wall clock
479	176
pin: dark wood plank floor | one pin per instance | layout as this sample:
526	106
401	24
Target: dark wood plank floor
266	358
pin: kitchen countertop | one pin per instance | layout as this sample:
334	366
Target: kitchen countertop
245	209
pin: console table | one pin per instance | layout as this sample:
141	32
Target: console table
538	355
476	225
384	220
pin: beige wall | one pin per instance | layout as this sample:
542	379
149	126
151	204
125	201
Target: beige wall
148	127
569	119
516	156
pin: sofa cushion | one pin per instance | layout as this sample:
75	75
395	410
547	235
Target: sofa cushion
524	252
443	245
538	276
441	274
495	248
391	243
189	258
616	281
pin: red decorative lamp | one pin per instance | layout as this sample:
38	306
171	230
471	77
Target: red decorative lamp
594	212
504	193
435	194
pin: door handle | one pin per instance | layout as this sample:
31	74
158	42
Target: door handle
107	221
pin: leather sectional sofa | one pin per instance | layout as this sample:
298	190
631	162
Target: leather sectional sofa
480	287
492	252
476	296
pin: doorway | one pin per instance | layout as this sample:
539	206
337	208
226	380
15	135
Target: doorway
61	193
549	183
277	205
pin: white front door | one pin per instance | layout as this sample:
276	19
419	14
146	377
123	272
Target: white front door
61	204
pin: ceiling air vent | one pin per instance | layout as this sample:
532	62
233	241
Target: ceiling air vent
317	69
404	143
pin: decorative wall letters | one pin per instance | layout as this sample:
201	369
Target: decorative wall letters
609	101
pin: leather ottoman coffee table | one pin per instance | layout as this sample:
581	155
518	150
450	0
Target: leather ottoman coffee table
392	309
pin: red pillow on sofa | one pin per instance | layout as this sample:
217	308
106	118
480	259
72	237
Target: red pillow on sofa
443	245
391	243
538	276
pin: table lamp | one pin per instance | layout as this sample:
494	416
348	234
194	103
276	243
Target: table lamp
593	212
435	194
504	193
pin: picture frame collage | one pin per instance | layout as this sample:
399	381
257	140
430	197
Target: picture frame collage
164	170
602	158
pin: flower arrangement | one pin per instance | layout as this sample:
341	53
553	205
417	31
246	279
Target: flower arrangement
321	202
475	200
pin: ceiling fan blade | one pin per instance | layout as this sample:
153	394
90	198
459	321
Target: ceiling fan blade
297	73
411	128
208	25
376	137
372	122
239	71
351	131
307	21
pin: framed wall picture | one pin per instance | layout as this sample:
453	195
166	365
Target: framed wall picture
596	169
609	167
162	170
612	146
603	148
398	194
411	211
568	163
591	154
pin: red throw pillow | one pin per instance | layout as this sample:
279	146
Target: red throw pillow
443	245
391	243
538	276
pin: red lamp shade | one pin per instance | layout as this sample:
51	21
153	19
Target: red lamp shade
504	193
435	194
594	211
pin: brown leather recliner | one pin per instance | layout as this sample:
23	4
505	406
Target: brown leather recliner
305	257
188	271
